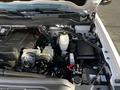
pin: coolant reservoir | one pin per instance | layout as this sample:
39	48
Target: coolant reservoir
64	41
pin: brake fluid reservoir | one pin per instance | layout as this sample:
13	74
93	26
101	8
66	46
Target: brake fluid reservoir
64	41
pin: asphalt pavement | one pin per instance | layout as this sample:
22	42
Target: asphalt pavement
110	16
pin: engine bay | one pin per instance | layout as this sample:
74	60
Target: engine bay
54	51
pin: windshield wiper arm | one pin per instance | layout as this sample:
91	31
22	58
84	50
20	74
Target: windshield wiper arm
36	14
13	15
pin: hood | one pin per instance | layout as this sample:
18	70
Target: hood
68	5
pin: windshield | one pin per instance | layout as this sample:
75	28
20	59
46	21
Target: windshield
13	0
78	2
39	11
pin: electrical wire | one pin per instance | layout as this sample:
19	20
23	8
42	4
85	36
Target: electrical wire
92	82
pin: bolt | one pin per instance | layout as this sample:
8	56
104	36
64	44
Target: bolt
108	58
106	51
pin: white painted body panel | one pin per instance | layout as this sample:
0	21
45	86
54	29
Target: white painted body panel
112	57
